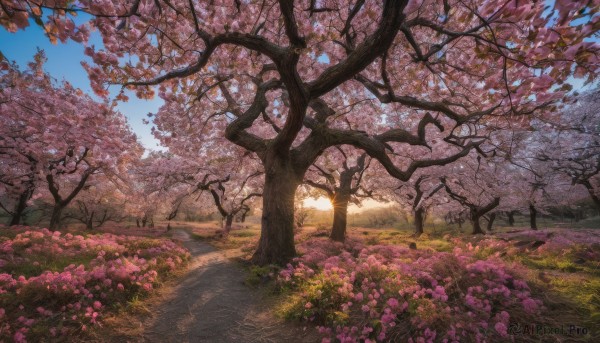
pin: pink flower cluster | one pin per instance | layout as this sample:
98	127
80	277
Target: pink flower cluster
67	301
391	293
556	242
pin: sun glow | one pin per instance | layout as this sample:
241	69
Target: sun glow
321	204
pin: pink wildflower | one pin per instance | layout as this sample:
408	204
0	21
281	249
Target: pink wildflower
19	337
501	329
530	305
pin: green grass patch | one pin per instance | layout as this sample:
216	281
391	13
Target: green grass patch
583	293
53	263
201	237
244	233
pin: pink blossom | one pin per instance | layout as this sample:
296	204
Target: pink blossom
501	329
19	337
530	305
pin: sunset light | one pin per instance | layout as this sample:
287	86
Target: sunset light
321	204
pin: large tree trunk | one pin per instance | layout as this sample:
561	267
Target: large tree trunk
532	217
276	244
490	222
476	226
475	215
340	215
419	214
593	195
90	222
56	217
228	223
511	218
59	202
21	206
596	200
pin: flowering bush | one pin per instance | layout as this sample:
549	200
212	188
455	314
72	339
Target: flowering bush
384	292
55	285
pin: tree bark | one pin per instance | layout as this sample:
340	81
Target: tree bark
511	218
21	206
419	214
596	200
90	222
59	202
593	195
55	219
228	223
276	243
476	226
532	217
490	222
340	215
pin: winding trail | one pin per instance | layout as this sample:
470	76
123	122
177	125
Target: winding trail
212	304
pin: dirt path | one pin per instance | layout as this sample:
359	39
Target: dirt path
212	304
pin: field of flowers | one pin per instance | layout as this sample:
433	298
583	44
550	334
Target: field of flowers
483	289
501	287
55	285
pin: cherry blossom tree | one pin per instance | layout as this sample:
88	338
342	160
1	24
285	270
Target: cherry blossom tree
231	183
478	184
17	180
62	134
535	184
231	196
161	182
572	144
421	193
288	79
341	185
101	201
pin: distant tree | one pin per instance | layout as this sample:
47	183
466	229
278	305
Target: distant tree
571	145
54	134
477	184
231	183
102	201
339	174
421	193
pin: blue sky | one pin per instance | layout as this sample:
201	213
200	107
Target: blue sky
64	62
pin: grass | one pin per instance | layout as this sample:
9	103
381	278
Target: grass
245	233
53	263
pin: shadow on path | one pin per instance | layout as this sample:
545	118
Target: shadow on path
212	304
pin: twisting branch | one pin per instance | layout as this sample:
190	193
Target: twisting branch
236	130
364	54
